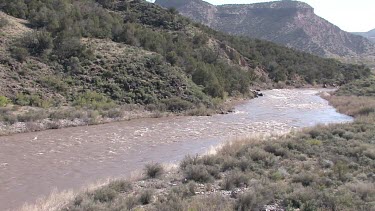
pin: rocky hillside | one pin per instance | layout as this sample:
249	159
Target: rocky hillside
369	35
99	56
290	23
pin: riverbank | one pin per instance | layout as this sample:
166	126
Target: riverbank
15	119
325	167
23	119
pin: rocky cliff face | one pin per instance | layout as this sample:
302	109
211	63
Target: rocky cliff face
289	23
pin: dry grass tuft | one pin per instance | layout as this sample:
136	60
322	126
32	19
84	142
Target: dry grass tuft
55	201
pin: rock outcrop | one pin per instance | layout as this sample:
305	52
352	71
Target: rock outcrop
290	23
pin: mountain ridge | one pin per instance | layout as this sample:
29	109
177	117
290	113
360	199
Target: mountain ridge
369	35
290	23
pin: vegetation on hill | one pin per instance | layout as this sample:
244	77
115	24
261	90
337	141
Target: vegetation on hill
322	168
100	55
289	23
364	87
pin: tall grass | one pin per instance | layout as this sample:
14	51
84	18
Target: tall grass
353	105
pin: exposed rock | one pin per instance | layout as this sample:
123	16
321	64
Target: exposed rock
291	23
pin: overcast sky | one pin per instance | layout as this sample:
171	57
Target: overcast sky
349	15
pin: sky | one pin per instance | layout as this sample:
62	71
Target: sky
349	15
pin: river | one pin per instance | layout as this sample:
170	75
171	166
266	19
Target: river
33	164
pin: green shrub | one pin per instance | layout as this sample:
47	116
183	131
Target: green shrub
130	202
7	116
104	195
229	163
314	142
304	178
4	101
198	173
189	160
120	186
177	104
70	114
112	113
276	176
154	170
19	53
276	149
341	169
146	197
54	83
247	201
37	42
172	57
32	100
32	116
93	100
235	179
366	111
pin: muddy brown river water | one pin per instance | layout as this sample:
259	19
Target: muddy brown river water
33	164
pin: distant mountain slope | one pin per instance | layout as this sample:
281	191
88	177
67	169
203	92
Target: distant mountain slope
291	23
369	35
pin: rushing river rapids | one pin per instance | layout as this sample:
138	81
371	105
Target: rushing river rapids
33	164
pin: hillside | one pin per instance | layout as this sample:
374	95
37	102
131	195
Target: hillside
97	57
369	35
290	23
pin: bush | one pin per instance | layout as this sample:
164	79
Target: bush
4	101
304	178
172	57
314	142
276	176
177	104
37	42
32	100
189	160
93	100
235	179
198	173
154	170
7	116
32	116
146	197
112	113
19	53
247	201
3	22
120	186
276	149
104	195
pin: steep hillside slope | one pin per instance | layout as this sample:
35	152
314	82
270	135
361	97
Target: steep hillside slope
290	23
98	56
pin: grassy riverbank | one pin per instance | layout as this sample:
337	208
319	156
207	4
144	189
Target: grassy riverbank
16	119
321	168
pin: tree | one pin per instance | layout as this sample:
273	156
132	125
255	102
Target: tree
172	57
37	42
